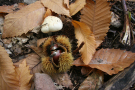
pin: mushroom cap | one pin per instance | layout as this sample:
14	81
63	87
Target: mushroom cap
51	24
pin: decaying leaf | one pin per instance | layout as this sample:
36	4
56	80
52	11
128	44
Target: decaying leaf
7	73
32	60
40	41
22	21
97	16
23	76
63	79
93	81
57	6
84	34
110	61
76	6
11	9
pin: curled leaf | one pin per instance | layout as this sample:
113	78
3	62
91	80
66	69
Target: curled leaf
84	34
57	6
22	21
76	6
97	16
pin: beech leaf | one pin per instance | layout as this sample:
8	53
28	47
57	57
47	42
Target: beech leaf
57	6
84	34
66	2
97	16
11	9
24	20
7	72
23	76
110	61
31	60
76	6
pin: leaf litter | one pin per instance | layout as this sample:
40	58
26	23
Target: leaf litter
93	27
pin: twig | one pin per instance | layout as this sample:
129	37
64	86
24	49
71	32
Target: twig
126	28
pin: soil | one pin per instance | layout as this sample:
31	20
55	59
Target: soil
112	40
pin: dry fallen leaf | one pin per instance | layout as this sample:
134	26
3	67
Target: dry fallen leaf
23	76
32	60
63	79
57	6
84	34
48	13
7	73
66	2
93	81
11	9
76	6
110	61
24	20
40	41
98	17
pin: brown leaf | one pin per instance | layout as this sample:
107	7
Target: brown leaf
32	60
76	6
86	70
23	76
22	21
112	61
7	72
37	50
48	13
11	9
63	79
97	16
40	41
84	34
57	6
92	82
66	2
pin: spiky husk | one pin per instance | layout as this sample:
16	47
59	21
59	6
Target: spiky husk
65	62
65	42
47	43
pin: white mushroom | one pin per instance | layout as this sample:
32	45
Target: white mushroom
51	24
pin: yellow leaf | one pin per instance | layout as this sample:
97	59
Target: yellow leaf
57	6
84	34
24	20
7	73
23	76
97	16
76	6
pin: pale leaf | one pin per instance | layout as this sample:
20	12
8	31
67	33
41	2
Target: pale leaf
23	76
76	6
32	61
57	6
93	81
84	34
112	61
11	9
97	16
24	20
66	2
7	72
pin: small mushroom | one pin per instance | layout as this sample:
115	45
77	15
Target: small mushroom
51	24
